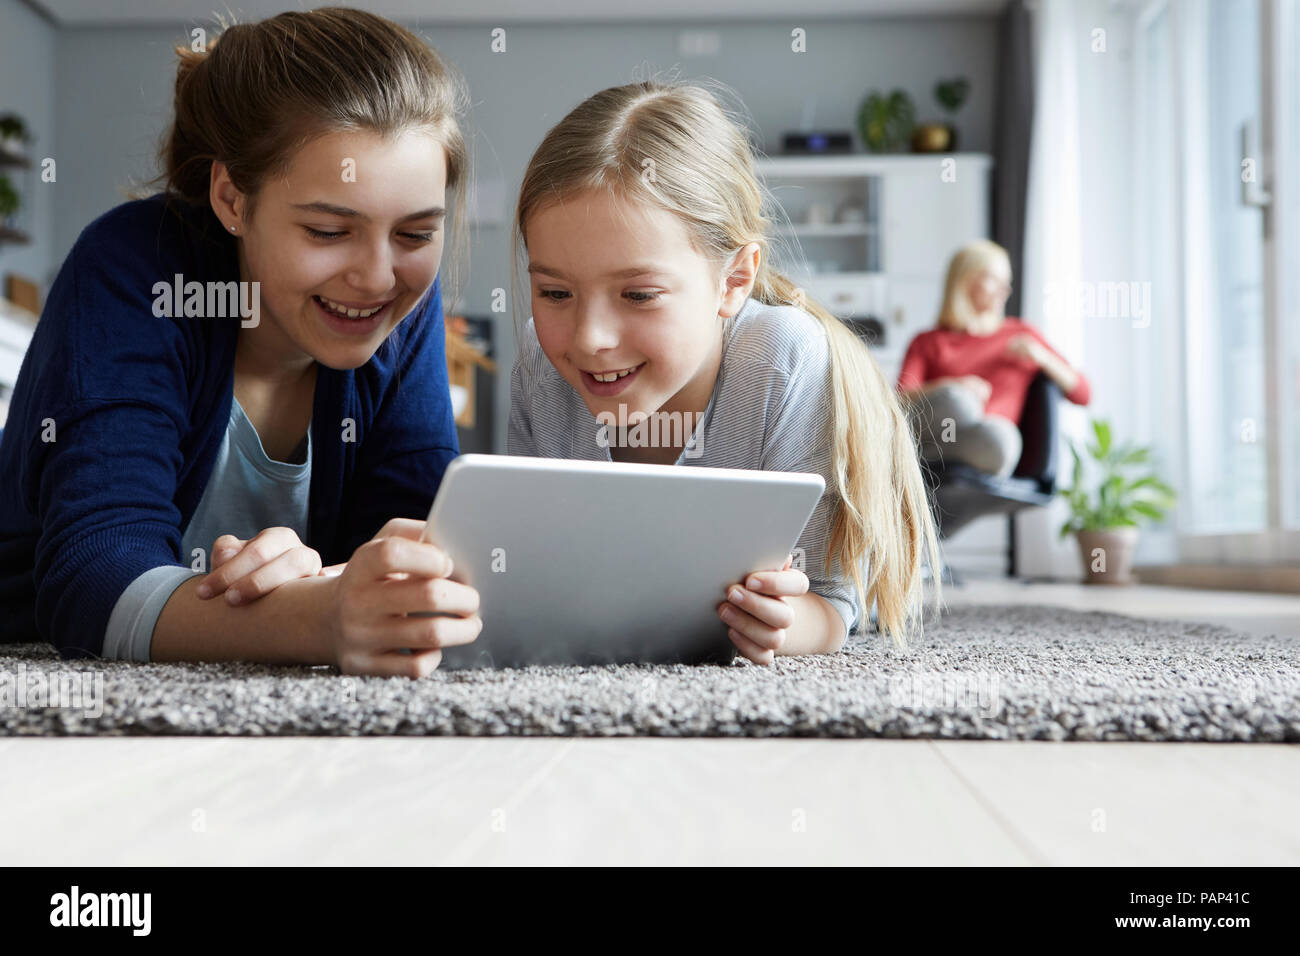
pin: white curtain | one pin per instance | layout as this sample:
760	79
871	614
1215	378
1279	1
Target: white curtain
1053	249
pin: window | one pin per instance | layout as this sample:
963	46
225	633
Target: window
1214	83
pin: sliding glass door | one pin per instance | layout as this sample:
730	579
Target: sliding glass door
1218	77
1284	49
1227	419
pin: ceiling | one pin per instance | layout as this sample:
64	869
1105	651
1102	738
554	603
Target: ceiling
84	13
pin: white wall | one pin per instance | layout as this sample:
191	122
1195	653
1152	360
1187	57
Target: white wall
28	46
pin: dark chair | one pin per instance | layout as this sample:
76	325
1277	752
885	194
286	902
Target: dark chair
960	493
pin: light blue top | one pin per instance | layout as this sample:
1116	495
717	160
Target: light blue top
771	410
247	493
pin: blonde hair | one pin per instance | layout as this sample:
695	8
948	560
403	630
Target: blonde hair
982	254
261	91
675	147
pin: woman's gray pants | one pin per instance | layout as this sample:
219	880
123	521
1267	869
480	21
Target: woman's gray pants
950	426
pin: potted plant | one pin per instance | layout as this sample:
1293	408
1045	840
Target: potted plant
885	122
942	137
9	201
13	134
1127	490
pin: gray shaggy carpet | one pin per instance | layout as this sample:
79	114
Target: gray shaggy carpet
998	673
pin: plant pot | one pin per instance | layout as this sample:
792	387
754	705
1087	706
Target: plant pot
932	138
1107	555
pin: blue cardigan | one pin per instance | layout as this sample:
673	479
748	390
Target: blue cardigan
117	417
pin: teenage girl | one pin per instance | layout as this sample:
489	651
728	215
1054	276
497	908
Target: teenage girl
309	160
652	289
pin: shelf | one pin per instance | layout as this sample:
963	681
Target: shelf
828	229
14	159
861	164
13	235
892	264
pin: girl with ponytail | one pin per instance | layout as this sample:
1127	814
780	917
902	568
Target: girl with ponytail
234	413
654	296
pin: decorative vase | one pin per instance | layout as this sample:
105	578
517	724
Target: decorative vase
1108	555
933	138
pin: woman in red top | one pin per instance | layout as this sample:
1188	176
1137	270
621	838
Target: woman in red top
964	383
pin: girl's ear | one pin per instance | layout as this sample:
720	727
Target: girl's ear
738	280
227	201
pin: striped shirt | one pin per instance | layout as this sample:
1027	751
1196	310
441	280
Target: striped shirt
770	411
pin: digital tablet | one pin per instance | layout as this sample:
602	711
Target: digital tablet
585	562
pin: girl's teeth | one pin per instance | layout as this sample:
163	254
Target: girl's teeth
613	376
344	310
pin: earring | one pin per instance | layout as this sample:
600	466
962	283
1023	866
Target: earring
232	228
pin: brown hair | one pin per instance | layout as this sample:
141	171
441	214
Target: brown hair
261	91
675	147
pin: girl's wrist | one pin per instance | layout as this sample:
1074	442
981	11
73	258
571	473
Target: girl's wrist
818	627
329	619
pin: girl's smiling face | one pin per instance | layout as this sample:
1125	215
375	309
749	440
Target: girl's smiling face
374	240
618	289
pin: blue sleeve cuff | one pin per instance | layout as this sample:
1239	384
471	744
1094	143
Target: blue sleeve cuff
129	635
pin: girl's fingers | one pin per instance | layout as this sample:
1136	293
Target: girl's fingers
759	655
391	663
225	548
250	555
758	631
381	556
259	550
401	528
785	583
772	611
300	562
413	594
432	632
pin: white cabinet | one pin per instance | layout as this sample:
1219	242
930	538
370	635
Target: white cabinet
871	236
851	294
931	210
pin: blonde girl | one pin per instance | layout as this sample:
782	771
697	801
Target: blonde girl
653	294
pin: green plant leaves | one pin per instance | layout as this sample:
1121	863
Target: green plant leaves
9	199
1148	509
951	94
1101	429
1121	498
885	122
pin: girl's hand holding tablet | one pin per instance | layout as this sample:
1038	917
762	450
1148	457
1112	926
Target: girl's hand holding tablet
757	614
393	575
